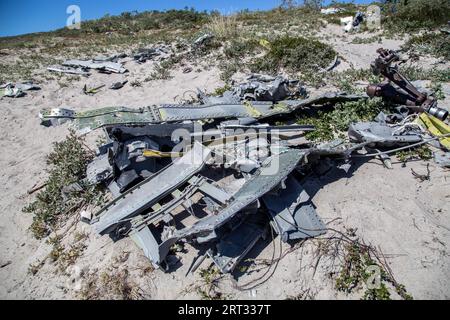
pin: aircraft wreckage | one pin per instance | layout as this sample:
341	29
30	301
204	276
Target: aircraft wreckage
220	173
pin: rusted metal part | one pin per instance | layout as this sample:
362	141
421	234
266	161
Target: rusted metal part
404	92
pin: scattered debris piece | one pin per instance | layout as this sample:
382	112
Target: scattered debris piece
101	66
187	69
118	85
5	264
157	53
398	89
92	91
266	88
352	23
202	40
330	10
81	67
69	70
422	177
436	127
17	90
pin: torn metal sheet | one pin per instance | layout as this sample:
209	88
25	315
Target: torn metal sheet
144	195
99	169
293	213
260	88
17	90
106	66
234	246
69	70
382	135
158	53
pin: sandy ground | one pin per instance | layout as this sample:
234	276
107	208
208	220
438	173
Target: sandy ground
407	219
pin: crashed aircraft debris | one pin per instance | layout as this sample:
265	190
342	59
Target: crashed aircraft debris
238	175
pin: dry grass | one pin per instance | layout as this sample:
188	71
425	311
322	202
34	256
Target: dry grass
223	27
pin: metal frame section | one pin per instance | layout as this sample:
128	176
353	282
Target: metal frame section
293	214
205	229
148	192
142	234
261	182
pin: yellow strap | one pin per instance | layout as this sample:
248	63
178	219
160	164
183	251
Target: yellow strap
160	154
436	127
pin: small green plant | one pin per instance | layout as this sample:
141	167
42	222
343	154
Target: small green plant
333	122
67	165
208	290
437	90
414	73
240	48
422	152
360	267
220	91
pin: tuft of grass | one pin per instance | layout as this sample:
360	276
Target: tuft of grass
110	285
295	55
223	27
66	256
221	90
67	165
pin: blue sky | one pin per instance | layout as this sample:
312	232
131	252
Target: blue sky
26	16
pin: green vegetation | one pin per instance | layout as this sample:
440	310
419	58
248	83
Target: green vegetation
412	15
334	122
208	289
129	22
360	267
355	273
67	165
359	40
422	152
417	73
295	55
435	44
